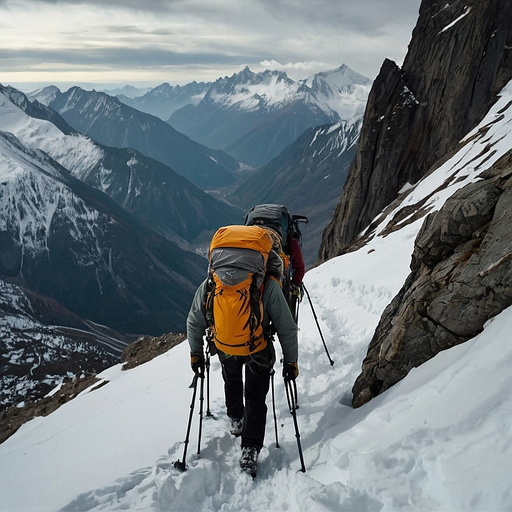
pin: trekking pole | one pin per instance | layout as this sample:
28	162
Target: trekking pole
207	367
272	373
318	325
291	395
181	464
201	402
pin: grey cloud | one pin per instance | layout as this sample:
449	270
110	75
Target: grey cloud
115	58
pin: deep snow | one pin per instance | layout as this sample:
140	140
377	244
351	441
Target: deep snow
438	440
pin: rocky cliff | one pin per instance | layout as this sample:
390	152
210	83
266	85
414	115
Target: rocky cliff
421	119
461	277
459	58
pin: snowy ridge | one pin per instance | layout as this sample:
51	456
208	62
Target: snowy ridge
76	153
343	138
340	93
438	440
32	223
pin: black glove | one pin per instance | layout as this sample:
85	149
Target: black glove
197	363
296	290
290	371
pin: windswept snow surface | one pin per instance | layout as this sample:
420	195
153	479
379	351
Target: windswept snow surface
438	440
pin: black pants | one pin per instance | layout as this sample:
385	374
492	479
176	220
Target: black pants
249	401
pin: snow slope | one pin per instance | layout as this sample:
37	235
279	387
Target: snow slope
438	440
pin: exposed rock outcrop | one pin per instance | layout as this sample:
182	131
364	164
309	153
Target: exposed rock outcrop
459	58
461	277
147	348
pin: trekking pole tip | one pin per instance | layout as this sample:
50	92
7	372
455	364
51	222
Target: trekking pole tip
180	466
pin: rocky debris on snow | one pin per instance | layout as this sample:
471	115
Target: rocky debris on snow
455	67
13	417
461	277
147	348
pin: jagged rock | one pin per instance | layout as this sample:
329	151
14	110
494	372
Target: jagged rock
459	58
147	348
461	277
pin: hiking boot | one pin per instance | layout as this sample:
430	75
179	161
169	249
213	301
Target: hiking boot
249	460
235	427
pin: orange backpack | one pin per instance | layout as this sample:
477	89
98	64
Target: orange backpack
238	260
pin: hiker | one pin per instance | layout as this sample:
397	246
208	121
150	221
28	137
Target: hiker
277	218
245	404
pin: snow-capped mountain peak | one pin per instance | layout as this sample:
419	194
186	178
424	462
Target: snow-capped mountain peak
250	91
45	96
342	89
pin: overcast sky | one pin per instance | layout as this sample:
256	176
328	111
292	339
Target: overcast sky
147	42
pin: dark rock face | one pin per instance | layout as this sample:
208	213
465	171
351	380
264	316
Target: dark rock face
458	60
461	277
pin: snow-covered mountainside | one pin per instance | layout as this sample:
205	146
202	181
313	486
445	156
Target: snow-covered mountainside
154	192
64	239
79	258
438	440
35	350
254	116
112	123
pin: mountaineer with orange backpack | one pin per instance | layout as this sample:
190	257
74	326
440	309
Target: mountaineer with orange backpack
239	306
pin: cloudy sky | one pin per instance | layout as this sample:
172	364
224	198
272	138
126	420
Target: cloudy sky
147	42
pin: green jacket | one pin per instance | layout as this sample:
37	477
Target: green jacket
275	310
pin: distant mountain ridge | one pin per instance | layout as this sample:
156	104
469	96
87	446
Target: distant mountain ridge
155	193
112	123
254	116
163	100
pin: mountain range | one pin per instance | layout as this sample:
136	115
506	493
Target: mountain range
112	123
241	99
254	116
